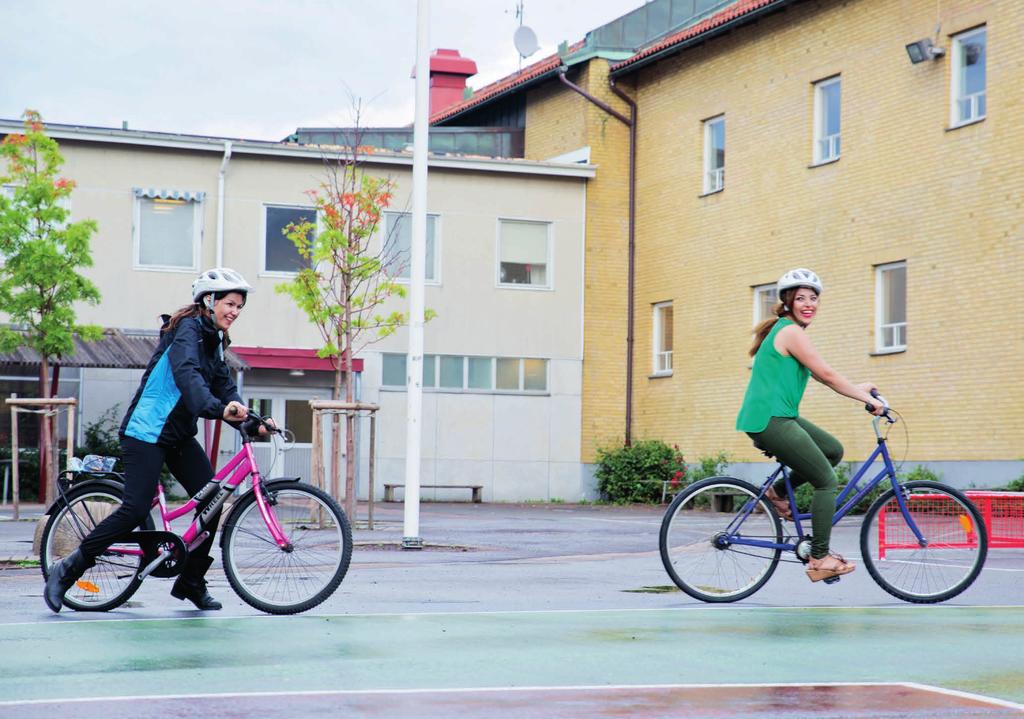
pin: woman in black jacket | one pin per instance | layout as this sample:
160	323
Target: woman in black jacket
187	378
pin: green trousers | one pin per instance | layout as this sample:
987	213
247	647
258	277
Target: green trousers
811	453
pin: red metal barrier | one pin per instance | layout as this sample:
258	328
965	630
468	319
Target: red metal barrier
939	517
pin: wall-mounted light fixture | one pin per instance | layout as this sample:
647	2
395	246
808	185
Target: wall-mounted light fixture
924	50
296	373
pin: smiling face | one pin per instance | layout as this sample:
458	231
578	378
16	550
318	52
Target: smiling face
803	305
226	309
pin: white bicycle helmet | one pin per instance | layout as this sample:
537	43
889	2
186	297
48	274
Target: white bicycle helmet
800	277
219	279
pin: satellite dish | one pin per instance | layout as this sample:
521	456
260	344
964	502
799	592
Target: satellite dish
525	40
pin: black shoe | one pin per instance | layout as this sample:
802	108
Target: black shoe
62	575
191	585
195	591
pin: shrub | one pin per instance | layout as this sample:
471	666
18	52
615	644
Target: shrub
1016	485
101	436
920	472
635	473
709	466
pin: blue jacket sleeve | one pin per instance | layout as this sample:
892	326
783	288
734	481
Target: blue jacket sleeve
184	355
224	387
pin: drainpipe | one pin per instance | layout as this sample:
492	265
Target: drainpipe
220	203
629	122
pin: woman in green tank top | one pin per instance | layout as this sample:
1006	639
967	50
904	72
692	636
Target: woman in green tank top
784	358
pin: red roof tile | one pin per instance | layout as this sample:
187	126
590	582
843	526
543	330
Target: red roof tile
738	10
509	82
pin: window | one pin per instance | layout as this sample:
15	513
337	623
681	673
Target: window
279	252
524	253
714	155
765	297
968	70
891	307
662	340
826	120
457	373
398	246
168	229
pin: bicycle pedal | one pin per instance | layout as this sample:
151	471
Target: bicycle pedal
831	580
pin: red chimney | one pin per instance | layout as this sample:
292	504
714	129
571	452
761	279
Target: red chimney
448	73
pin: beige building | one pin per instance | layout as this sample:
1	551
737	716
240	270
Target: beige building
875	141
505	254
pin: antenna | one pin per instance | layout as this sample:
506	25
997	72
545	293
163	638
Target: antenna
524	38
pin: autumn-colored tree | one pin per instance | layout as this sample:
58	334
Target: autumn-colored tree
41	255
348	278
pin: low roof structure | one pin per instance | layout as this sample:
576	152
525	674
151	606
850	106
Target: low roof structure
116	349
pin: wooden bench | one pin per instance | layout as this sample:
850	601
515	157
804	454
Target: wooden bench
478	489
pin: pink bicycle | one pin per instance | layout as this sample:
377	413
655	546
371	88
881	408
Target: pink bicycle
285	544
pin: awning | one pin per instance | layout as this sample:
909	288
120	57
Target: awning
165	194
116	349
287	358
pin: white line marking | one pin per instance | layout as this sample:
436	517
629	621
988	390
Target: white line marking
964	695
56	621
510	690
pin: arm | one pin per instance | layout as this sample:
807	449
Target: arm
183	355
794	341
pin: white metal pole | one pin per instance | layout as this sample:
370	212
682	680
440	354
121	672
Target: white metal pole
414	362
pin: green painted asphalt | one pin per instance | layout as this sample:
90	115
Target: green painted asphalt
970	649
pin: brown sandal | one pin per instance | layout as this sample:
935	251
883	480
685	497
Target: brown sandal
781	505
818	569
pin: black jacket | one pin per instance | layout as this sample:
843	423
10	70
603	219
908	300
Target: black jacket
187	378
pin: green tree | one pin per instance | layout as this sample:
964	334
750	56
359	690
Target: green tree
347	280
42	253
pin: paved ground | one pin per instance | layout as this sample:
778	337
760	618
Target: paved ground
521	611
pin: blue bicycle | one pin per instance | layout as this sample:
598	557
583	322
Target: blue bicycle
921	541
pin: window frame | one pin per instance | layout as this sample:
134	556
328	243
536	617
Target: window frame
383	233
264	272
550	261
820	121
198	231
435	386
657	351
758	291
709	187
880	324
955	67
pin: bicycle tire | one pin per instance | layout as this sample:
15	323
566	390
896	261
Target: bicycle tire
919	574
711	572
115	577
277	581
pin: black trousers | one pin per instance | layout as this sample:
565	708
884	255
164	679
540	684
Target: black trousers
142	464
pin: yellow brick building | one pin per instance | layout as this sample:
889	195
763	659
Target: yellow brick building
923	180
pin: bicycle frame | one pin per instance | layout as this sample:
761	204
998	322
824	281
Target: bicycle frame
844	501
226	481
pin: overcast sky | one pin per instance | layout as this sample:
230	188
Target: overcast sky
253	68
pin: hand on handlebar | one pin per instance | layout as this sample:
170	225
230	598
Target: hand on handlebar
235	411
268	426
877	404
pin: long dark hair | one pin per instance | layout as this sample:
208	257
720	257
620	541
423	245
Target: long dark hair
194	310
780	310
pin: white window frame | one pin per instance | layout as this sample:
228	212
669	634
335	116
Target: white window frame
435	385
550	266
955	93
198	216
661	359
827	148
383	233
759	292
264	272
880	324
714	177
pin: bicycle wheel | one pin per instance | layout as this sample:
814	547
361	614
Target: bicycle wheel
695	552
114	577
945	563
286	581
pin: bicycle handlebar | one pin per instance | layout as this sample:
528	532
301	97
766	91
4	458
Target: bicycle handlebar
252	423
885	405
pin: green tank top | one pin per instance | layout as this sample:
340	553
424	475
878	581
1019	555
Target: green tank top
776	386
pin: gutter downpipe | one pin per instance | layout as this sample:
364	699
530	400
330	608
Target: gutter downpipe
220	203
629	122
